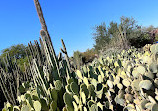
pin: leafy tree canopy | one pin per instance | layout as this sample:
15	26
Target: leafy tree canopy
124	34
17	51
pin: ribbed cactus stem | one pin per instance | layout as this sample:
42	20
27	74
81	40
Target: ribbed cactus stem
3	86
12	94
42	47
44	27
31	50
17	82
37	72
26	72
66	54
53	62
38	50
4	92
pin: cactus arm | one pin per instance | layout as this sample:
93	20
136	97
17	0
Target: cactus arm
66	55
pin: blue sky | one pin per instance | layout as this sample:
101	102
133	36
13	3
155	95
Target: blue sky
72	20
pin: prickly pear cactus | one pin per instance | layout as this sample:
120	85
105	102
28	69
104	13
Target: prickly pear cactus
126	81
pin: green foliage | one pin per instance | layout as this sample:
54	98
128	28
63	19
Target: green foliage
81	58
101	37
21	62
88	55
17	51
121	35
77	59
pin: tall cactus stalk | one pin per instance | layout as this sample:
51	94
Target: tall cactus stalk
5	89
44	27
66	55
39	57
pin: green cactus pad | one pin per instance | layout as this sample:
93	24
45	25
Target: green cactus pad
22	89
141	69
143	103
152	49
54	94
84	89
135	73
120	86
110	83
68	108
70	80
76	99
83	96
94	82
149	75
25	108
153	67
100	79
135	84
37	105
68	100
91	89
44	103
74	88
121	94
16	108
154	107
146	84
149	105
90	103
129	97
85	69
53	105
126	82
93	107
58	84
79	74
75	106
120	101
85	80
151	99
129	107
100	105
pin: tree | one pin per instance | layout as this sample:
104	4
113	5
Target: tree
88	55
150	28
128	30
77	59
113	28
16	52
123	35
101	37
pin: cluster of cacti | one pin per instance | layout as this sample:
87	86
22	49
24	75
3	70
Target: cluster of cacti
127	81
11	77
